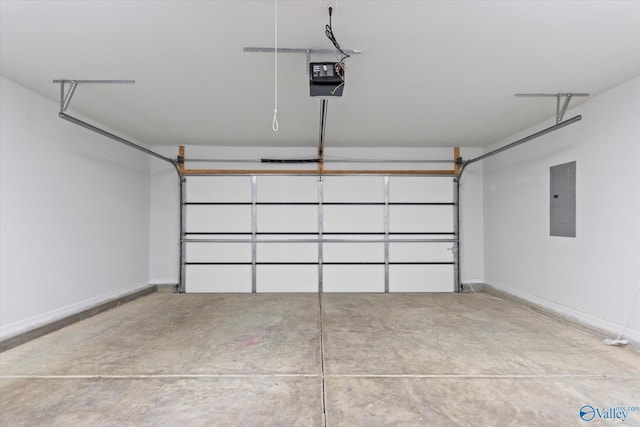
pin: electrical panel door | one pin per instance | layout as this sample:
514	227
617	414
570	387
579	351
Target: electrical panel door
563	200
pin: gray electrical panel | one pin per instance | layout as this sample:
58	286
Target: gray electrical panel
563	200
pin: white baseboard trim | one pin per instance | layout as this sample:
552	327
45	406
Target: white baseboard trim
22	326
597	325
163	281
474	281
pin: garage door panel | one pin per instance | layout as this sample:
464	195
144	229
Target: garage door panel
421	219
420	252
229	219
218	252
288	209
287	252
282	218
421	278
353	252
218	278
353	278
290	278
219	189
287	189
416	189
347	219
353	189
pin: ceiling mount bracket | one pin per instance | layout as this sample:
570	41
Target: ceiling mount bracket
65	98
296	50
560	109
306	51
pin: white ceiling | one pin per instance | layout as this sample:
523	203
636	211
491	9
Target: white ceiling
431	73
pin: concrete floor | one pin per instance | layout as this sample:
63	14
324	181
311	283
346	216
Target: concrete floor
280	360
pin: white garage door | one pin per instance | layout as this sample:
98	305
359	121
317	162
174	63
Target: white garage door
303	234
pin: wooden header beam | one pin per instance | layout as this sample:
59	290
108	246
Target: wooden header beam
315	172
320	171
456	156
181	159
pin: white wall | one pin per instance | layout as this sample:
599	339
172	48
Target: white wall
74	214
164	224
472	219
164	194
592	277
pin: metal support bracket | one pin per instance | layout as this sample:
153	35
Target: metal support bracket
65	100
561	107
298	50
386	232
320	235
307	51
183	236
254	232
455	249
